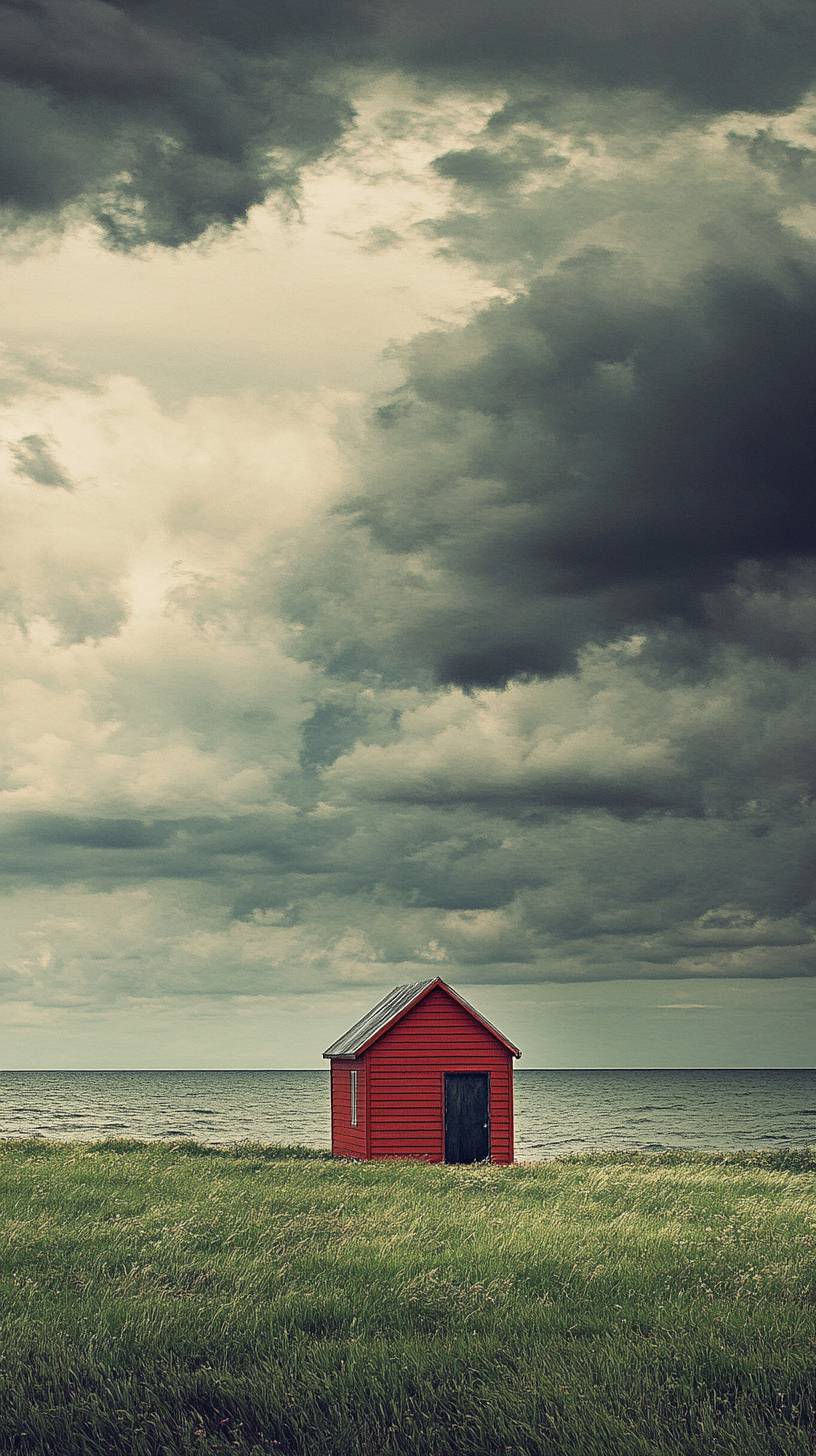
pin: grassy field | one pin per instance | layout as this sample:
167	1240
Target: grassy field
168	1299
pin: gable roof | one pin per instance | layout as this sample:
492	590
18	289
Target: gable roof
392	1008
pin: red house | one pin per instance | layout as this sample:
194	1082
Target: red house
423	1075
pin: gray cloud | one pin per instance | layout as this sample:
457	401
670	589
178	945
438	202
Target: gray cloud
242	908
719	56
596	457
620	453
165	122
163	127
34	459
479	170
731	744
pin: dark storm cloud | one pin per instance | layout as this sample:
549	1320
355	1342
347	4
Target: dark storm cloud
168	118
253	858
331	729
481	170
622	168
623	454
716	56
733	744
412	858
92	833
55	849
34	459
594	458
579	897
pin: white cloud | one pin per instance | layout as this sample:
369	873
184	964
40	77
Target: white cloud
283	303
113	695
560	741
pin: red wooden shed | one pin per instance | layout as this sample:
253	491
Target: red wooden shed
423	1075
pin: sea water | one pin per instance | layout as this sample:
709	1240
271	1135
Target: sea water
556	1111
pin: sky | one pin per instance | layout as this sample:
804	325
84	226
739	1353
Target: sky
407	569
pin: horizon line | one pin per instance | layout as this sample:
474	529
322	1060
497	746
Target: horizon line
4	1071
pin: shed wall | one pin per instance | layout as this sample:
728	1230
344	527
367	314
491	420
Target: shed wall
348	1141
406	1070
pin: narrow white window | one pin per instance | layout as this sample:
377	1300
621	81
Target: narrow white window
353	1084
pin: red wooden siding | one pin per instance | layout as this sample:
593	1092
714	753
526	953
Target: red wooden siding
348	1141
405	1081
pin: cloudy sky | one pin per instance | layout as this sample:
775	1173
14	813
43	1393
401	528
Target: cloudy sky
406	454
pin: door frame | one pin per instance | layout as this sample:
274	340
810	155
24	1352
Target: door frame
459	1072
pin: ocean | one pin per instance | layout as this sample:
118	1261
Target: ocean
556	1111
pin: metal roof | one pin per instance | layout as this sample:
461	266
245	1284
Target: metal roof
392	1006
376	1019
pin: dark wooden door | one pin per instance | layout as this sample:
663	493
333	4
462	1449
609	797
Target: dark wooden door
467	1131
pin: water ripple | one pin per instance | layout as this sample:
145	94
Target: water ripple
556	1111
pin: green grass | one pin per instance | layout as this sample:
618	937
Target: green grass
173	1299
